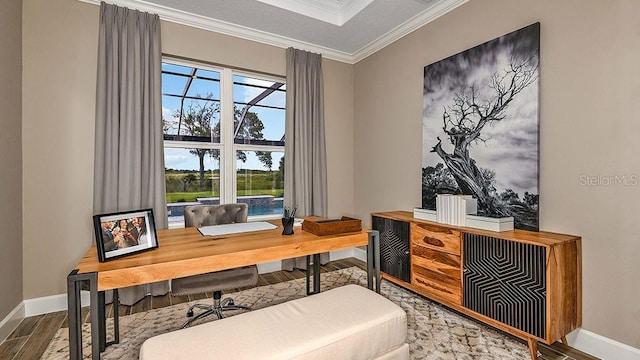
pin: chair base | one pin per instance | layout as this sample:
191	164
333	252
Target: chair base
217	308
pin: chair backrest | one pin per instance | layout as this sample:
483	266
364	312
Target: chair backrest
205	215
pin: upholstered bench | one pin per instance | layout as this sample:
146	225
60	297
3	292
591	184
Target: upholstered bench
349	322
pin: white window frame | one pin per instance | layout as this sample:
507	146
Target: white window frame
227	147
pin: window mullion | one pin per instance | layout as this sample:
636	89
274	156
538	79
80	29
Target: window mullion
228	193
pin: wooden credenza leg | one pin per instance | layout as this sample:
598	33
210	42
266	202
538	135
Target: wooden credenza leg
533	348
564	340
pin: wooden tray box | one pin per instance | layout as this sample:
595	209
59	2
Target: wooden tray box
332	226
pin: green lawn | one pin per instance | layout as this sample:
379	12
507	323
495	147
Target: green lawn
257	182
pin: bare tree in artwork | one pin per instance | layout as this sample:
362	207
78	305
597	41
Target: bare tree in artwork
480	127
464	120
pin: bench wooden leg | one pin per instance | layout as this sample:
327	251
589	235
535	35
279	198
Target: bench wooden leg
533	348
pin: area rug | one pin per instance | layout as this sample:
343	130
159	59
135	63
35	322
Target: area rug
434	332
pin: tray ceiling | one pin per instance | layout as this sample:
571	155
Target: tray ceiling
343	30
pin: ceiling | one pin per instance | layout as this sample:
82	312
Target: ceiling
343	30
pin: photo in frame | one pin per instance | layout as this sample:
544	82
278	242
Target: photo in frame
481	127
124	233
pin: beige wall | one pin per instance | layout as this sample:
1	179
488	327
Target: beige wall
60	45
10	156
588	124
590	83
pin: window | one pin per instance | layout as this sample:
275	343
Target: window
223	139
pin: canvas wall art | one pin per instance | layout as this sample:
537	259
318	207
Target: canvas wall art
480	127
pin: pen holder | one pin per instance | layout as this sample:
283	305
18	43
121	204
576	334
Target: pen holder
287	224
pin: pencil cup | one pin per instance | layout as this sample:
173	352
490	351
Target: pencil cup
287	224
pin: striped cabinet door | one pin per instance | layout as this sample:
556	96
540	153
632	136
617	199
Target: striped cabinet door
506	281
394	247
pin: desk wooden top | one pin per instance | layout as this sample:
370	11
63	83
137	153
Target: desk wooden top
185	252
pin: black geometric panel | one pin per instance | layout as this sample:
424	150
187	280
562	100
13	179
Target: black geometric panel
394	247
506	281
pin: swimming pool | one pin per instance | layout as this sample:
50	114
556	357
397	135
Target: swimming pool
258	205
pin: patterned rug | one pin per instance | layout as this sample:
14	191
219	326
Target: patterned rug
433	331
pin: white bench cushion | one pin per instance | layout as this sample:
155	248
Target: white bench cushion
350	322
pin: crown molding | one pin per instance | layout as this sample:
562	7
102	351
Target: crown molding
442	7
226	28
222	27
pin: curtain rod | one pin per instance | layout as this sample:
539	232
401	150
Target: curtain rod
184	58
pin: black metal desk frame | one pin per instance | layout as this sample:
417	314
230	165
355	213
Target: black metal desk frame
76	281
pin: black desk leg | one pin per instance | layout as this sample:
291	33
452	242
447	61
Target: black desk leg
116	318
373	261
75	316
103	320
308	274
74	285
316	274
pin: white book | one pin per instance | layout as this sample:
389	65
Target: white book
461	210
456	209
445	207
471	205
424	214
450	201
488	223
441	207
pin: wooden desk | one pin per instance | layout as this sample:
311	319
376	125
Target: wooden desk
185	252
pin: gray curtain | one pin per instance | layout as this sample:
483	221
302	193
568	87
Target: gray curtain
129	164
305	154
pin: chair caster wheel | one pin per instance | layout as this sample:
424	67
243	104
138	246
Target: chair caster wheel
190	313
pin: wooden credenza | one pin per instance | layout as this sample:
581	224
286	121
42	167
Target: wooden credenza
522	282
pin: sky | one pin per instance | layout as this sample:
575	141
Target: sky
273	119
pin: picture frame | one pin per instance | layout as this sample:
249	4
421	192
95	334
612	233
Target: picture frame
481	127
124	233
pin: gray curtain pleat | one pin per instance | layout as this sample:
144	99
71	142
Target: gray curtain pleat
129	154
305	150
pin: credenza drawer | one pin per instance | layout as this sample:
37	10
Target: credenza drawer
436	237
438	261
436	283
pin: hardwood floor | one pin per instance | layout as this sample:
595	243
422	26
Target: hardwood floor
30	339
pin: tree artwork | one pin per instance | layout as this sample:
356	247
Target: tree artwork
481	127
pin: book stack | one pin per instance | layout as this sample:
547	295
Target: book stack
479	222
453	209
461	210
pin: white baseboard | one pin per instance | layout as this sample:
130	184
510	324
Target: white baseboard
360	254
341	254
11	321
268	267
600	346
53	303
334	255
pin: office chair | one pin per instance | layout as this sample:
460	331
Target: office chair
205	215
